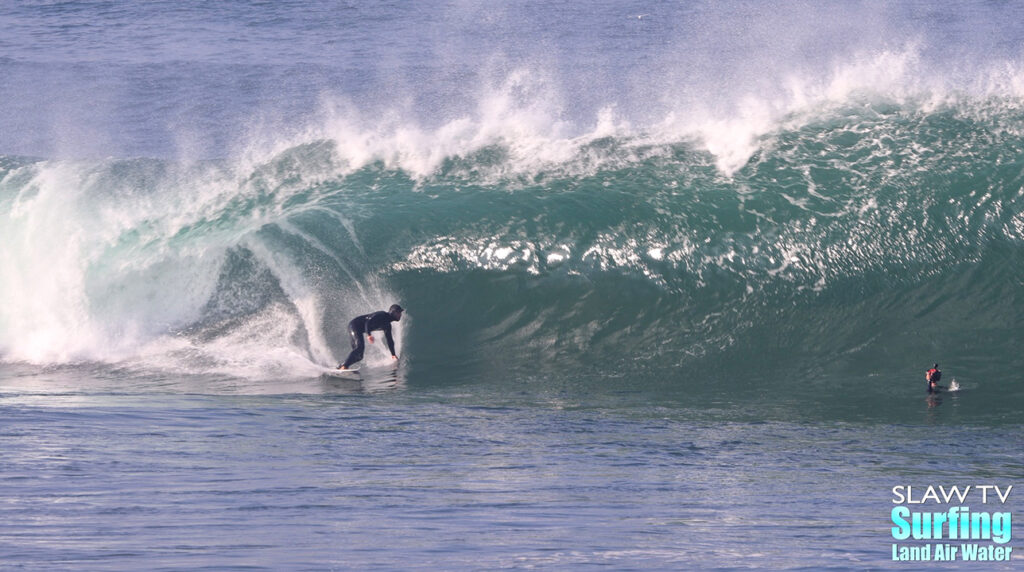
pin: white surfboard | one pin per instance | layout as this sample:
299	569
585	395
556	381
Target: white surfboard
342	373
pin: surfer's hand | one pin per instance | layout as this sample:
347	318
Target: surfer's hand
394	357
371	339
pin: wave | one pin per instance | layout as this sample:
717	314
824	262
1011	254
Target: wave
863	238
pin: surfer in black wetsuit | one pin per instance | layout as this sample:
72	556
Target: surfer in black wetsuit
933	376
367	324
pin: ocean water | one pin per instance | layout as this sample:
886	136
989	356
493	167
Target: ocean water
673	274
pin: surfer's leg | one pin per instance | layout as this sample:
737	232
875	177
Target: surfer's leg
357	348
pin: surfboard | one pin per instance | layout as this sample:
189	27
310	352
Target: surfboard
342	373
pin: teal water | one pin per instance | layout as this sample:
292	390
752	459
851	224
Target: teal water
672	282
826	261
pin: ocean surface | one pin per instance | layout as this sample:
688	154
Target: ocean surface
672	272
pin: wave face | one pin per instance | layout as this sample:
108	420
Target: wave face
869	241
700	212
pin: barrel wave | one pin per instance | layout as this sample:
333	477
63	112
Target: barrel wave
852	246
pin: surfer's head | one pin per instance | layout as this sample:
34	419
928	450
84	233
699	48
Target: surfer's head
936	366
396	311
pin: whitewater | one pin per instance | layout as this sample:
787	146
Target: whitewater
672	273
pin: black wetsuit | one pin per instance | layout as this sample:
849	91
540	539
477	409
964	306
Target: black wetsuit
365	325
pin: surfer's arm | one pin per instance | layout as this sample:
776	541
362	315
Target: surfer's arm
390	340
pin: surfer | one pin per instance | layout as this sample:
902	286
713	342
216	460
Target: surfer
367	324
933	376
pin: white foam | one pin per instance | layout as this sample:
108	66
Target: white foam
109	261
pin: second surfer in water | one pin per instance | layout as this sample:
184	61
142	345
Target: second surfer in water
933	376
